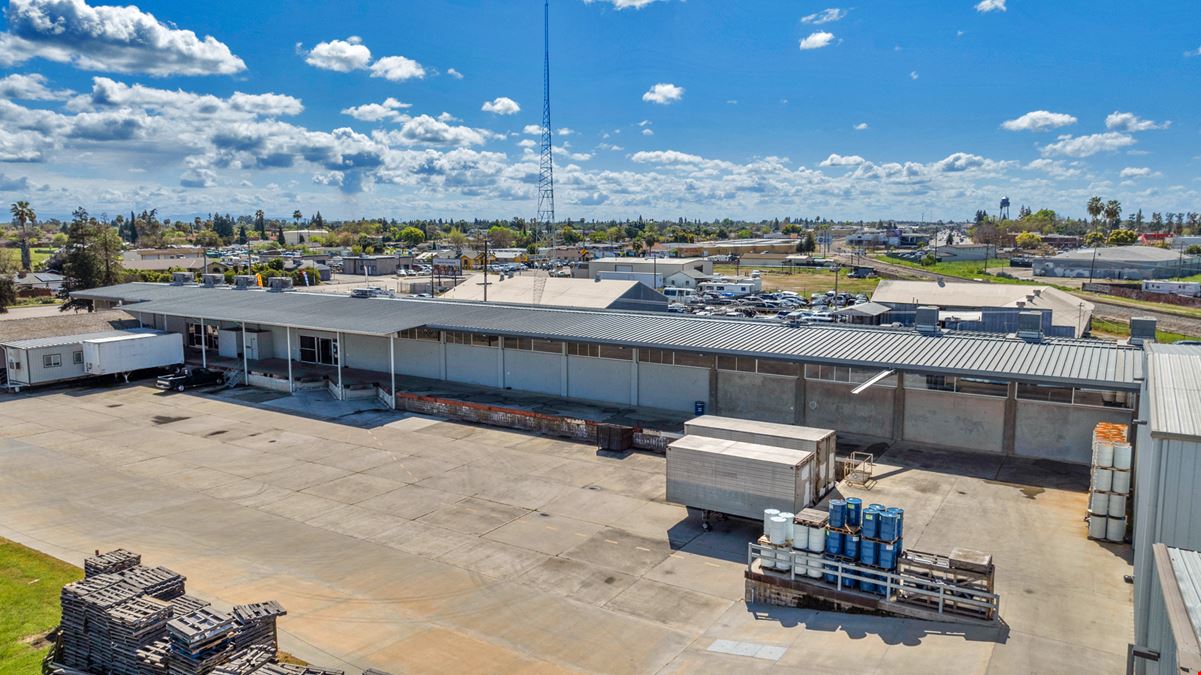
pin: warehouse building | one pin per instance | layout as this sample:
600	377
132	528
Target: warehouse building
661	267
1033	397
993	308
561	292
1118	262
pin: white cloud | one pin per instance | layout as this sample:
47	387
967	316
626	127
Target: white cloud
579	156
836	159
1135	172
266	105
1125	121
610	147
817	40
31	87
377	112
532	129
623	4
663	93
960	161
1055	168
991	6
454	73
397	69
825	16
862	126
1086	146
648	132
527	143
117	39
563	131
1039	120
424	129
501	105
731	101
198	178
665	157
913	75
645	123
342	56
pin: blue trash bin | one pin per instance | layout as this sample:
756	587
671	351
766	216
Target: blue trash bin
698	407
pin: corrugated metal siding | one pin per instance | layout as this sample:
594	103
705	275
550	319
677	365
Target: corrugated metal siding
1174	378
1075	362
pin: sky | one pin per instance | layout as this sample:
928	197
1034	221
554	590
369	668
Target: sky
746	109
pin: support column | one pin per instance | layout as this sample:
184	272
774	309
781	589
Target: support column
712	408
564	387
1009	429
799	402
392	370
898	409
634	378
204	351
245	358
341	360
291	386
442	355
500	362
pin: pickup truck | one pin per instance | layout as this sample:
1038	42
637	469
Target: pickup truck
188	377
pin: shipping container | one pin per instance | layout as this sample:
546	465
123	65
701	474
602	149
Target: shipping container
738	479
119	354
821	442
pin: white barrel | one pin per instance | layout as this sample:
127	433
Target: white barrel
1121	482
1117	505
1102	453
815	565
768	514
784	558
817	540
1123	455
1098	502
1115	529
801	567
1102	479
777	531
1097	522
788	526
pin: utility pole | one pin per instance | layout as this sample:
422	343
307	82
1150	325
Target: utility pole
546	165
485	269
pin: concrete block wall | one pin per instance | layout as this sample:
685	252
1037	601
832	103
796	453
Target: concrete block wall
954	420
767	398
672	387
1061	432
867	415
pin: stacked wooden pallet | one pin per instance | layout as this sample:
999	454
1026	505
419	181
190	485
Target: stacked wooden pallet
133	626
256	624
200	641
157	582
110	563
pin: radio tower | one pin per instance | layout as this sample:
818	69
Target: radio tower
546	167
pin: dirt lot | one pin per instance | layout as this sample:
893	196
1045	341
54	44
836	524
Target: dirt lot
415	544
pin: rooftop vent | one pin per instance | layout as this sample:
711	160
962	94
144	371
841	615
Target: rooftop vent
245	281
279	284
925	320
1142	329
1030	326
181	278
211	280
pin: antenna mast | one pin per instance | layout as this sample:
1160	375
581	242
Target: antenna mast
546	167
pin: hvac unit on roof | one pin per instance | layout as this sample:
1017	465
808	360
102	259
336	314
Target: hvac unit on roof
278	284
181	278
245	281
211	280
1030	326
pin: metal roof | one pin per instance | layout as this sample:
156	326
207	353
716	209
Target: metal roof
1063	361
1174	385
60	340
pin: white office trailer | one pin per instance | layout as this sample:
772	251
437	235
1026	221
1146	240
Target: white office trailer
71	357
719	476
1190	289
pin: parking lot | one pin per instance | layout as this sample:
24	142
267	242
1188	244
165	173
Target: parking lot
415	544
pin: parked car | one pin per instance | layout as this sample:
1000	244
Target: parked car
188	377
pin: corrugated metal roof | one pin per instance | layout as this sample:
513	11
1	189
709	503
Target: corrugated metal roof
1174	385
1076	362
38	343
1186	565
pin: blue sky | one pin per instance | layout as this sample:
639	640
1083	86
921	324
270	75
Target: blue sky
662	108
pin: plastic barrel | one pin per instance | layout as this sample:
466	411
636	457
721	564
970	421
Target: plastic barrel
801	566
817	539
888	555
834	543
1117	506
815	566
788	526
847	582
777	530
867	552
768	514
830	577
1102	453
854	512
850	546
1098	502
871	522
838	513
889	524
1115	529
1097	523
1121	482
1102	479
1123	456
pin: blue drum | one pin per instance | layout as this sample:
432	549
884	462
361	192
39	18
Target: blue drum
890	524
871	522
850	546
830	577
838	513
867	552
833	543
888	555
900	513
854	512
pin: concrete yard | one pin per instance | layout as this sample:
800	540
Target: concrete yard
419	545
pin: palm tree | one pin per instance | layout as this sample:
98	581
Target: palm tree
1113	212
1095	207
260	224
24	215
297	215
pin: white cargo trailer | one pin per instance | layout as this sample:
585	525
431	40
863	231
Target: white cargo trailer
726	477
821	442
134	350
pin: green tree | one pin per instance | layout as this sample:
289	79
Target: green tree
8	288
279	238
243	238
24	216
1193	250
260	223
1113	212
1094	238
570	236
1028	240
81	270
501	236
296	216
1122	238
276	264
457	240
1095	207
808	244
411	236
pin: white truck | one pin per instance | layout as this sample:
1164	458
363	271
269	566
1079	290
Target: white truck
123	354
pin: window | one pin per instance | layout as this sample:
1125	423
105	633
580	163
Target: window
319	350
208	338
962	385
548	346
421	334
769	367
848	374
478	340
456	338
694	359
1100	397
654	356
77	358
52	360
746	365
1042	392
615	352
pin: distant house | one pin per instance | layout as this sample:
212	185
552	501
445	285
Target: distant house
1118	262
957	252
562	292
297	237
322	270
159	260
1152	238
992	308
38	281
686	278
664	267
371	265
